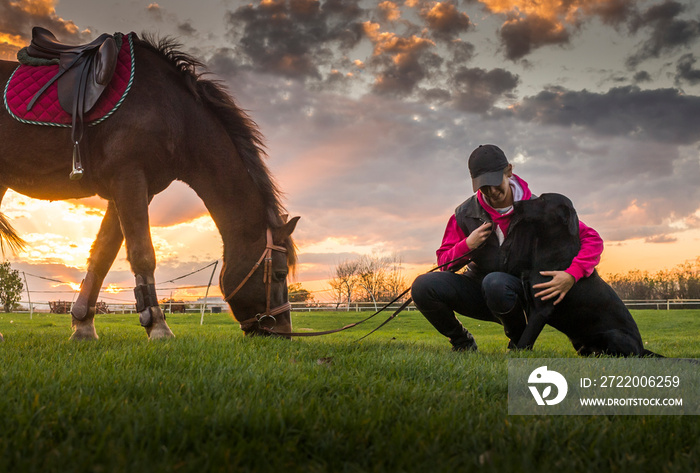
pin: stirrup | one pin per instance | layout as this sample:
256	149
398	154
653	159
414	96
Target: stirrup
78	171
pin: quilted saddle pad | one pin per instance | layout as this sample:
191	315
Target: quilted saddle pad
26	81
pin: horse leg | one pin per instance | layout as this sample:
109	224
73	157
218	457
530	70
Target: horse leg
3	190
131	200
102	254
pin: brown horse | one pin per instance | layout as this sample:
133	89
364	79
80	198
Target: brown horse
173	125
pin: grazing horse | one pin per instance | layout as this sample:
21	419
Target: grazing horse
172	125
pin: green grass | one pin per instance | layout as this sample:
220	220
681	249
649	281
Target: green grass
212	400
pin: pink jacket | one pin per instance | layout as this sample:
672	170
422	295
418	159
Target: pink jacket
454	242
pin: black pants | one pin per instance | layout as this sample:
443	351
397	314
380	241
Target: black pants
497	298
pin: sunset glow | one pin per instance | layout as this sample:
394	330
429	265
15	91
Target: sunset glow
370	109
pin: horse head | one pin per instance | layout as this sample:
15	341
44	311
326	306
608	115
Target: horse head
260	301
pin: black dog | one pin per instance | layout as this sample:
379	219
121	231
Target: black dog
544	236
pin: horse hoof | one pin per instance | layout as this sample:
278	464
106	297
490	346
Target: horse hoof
159	331
84	330
1	338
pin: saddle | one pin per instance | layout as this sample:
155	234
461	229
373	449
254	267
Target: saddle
83	74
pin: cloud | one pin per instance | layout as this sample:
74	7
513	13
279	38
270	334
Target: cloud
664	115
661	239
155	11
318	42
641	76
18	18
400	62
521	35
186	28
178	204
477	90
685	72
444	20
610	12
294	39
668	33
388	11
532	24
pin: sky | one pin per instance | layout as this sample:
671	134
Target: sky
370	110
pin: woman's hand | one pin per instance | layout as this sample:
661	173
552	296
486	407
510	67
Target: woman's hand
558	287
479	236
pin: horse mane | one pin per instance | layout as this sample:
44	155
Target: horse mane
242	130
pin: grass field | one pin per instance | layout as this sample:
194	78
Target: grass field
212	400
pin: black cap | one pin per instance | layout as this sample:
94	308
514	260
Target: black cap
486	165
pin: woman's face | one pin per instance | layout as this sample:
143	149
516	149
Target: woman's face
500	196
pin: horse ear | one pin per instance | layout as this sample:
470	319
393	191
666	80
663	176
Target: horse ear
281	233
284	218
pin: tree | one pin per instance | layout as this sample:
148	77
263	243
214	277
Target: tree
344	280
371	278
10	286
395	281
681	282
298	293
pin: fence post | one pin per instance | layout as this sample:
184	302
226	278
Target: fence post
204	306
29	298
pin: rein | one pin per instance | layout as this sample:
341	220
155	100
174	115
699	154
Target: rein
405	304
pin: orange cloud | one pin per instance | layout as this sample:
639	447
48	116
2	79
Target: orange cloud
444	20
9	45
19	16
389	11
634	214
43	8
531	24
35	7
12	40
544	8
391	43
564	12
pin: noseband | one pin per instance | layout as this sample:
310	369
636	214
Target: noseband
266	259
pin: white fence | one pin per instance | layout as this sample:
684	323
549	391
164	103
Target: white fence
196	308
665	304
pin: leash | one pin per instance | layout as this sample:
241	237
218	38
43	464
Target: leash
355	324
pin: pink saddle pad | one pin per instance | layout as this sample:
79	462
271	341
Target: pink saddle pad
26	81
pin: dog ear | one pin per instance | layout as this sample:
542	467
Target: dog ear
572	221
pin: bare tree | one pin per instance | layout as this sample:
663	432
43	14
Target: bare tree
371	274
344	281
395	280
368	278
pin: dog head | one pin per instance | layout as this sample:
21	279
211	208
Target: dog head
549	214
543	235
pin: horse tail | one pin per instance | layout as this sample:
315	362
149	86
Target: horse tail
9	236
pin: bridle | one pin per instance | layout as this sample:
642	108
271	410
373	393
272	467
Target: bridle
256	322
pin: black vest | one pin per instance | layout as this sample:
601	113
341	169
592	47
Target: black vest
487	258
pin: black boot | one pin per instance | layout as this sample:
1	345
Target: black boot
514	323
447	324
465	342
